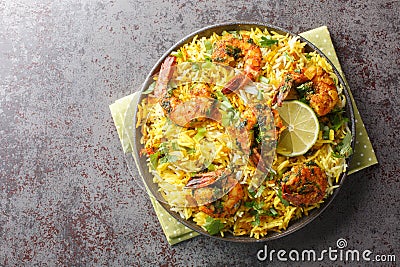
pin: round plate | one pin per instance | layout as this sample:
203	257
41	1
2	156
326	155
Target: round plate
148	177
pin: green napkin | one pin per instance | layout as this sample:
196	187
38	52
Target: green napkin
175	232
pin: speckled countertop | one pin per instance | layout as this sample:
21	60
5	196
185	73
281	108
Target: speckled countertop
67	197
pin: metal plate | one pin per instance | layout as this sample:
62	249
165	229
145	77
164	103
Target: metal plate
148	177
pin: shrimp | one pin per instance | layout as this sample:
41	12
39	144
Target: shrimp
195	110
228	203
259	156
315	85
304	184
229	50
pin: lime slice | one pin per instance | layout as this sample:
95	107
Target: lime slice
302	128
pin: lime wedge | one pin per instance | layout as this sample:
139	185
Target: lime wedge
302	128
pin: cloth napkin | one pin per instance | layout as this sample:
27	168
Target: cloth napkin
175	232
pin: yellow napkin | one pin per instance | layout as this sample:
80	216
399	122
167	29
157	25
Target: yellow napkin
123	109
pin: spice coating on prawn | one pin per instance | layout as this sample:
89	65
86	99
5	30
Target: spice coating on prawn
304	184
321	92
230	49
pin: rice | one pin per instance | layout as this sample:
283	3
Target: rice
211	145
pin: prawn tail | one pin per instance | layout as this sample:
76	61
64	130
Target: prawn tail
235	84
164	76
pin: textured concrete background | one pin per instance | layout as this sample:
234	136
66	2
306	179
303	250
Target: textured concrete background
66	194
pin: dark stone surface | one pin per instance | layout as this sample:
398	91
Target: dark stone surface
66	194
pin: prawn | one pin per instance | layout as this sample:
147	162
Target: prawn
197	107
304	184
229	50
314	85
232	194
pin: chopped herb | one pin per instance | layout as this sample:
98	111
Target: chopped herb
343	149
236	34
325	132
213	226
308	56
190	150
242	124
266	41
154	159
271	175
257	211
211	167
297	71
284	201
250	41
177	54
337	119
150	88
256	220
233	51
259	191
264	80
208	46
163	148
304	91
272	212
201	132
175	145
219	59
289	57
311	163
195	67
168	158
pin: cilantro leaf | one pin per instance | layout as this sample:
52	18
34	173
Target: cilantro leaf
272	212
150	89
284	201
208	46
154	159
259	191
213	226
266	41
344	149
201	132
